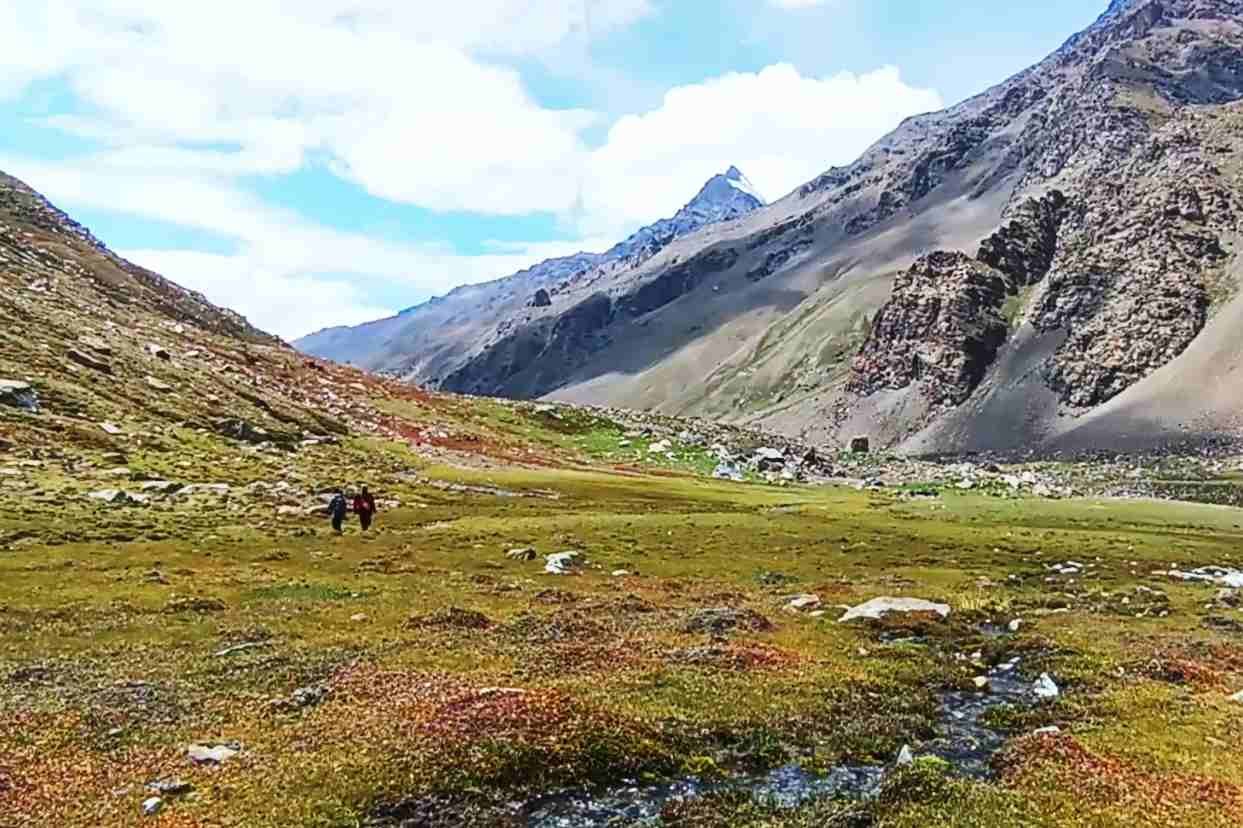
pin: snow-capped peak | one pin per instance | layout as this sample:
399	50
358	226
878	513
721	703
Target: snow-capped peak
742	184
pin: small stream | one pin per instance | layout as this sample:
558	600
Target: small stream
964	741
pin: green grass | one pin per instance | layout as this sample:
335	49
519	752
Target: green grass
113	623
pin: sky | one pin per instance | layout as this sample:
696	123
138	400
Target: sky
311	163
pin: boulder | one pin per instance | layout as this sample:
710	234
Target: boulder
542	299
18	394
563	563
802	603
152	806
158	351
770	459
116	497
88	361
860	445
110	428
1046	688
725	471
157	385
212	754
878	608
525	554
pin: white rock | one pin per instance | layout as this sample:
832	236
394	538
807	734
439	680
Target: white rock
213	755
1237	697
981	682
620	573
1051	729
110	428
152	806
905	757
1046	687
1015	625
879	607
799	603
562	563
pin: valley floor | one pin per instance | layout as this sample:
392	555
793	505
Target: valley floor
221	663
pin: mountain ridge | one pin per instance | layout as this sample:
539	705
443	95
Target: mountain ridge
723	197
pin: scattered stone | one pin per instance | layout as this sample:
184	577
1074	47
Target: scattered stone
1047	731
110	428
165	487
241	648
212	754
158	351
358	617
117	497
526	553
1221	575
905	757
157	385
195	605
770	459
726	471
170	787
563	563
1014	625
88	361
801	603
720	620
1237	698
97	345
877	608
451	618
219	489
620	573
982	682
1046	688
152	806
19	395
860	445
301	699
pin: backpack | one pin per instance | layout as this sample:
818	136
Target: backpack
337	506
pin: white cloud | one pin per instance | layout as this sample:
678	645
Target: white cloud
781	128
414	102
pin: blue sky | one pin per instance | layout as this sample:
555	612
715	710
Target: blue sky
332	161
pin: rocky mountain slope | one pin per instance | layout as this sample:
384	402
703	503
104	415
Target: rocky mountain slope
1049	264
434	344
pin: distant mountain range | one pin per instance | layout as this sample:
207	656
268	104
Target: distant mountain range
428	343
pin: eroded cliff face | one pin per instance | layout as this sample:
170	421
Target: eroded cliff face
1120	265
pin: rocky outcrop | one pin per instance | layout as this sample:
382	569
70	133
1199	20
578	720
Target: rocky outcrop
1139	258
1024	248
942	328
541	299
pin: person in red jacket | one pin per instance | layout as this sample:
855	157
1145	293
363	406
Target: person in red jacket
364	507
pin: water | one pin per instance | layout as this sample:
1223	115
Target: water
965	742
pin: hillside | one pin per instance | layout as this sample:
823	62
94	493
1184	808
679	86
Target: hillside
1107	336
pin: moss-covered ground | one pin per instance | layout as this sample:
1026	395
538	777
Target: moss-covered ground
435	669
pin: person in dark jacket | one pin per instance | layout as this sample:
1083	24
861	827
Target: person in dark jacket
337	509
364	507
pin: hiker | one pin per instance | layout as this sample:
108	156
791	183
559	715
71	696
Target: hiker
337	508
364	507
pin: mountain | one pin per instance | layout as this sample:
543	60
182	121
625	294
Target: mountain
1049	265
100	355
430	342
